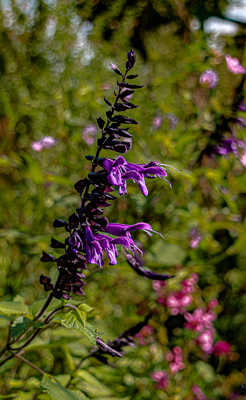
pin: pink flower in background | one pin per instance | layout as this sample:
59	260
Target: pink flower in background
161	378
199	395
195	238
212	304
45	143
205	340
221	347
175	359
199	320
157	122
234	65
178	301
243	158
89	134
158	285
209	78
144	336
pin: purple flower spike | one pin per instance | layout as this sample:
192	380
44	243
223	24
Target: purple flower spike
209	79
119	170
234	65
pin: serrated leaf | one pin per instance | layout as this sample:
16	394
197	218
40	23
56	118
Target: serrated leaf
11	307
74	320
57	391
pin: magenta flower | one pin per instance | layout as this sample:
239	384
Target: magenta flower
199	320
205	340
175	359
233	64
119	170
45	143
221	347
209	78
161	378
198	393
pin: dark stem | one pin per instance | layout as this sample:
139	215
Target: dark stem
95	161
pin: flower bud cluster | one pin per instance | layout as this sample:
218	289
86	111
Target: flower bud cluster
176	301
174	357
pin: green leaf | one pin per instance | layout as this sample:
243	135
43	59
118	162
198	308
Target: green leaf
57	391
93	386
19	326
84	307
74	319
11	307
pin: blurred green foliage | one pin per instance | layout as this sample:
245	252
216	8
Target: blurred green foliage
54	73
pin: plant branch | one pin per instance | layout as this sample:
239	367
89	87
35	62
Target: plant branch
30	364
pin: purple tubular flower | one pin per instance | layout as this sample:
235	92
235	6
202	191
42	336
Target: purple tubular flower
119	170
96	244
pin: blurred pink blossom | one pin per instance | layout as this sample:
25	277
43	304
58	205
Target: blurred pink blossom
205	340
161	378
157	122
221	347
234	65
144	336
175	359
89	134
198	393
199	320
209	78
158	285
45	143
195	238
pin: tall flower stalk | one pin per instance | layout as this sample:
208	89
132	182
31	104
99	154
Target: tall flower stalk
90	235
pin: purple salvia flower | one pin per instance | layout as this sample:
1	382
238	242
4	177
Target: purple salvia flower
227	146
209	78
233	64
119	170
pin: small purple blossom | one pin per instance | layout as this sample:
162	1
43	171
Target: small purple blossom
227	146
45	143
233	64
157	122
119	170
209	78
173	120
89	134
195	238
